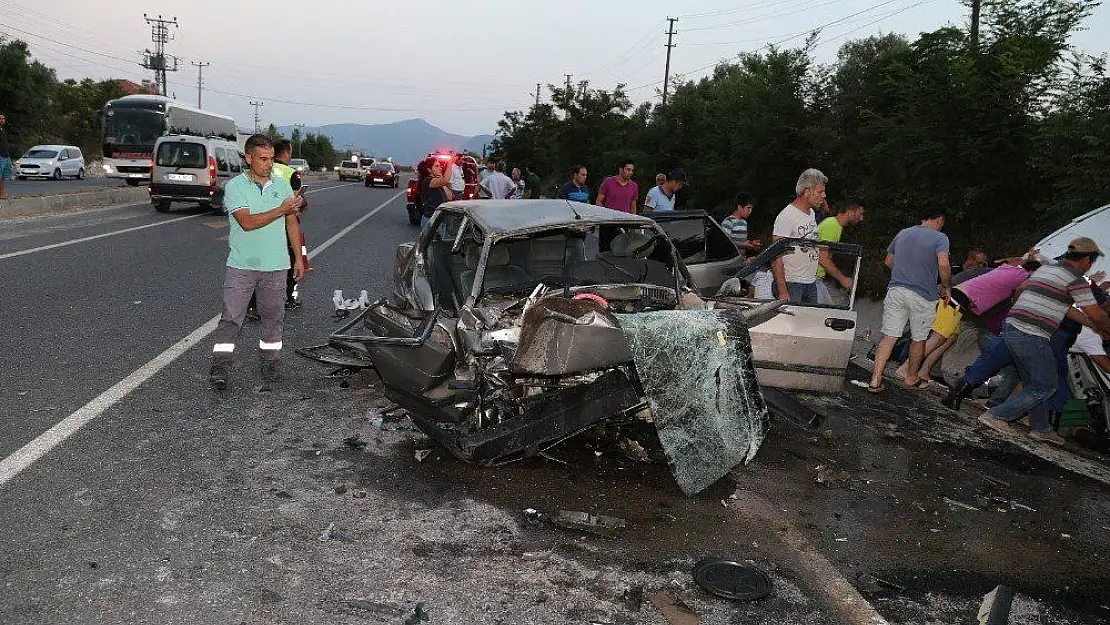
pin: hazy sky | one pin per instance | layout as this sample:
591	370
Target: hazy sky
460	65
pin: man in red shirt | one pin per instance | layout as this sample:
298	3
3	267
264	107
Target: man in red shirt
620	192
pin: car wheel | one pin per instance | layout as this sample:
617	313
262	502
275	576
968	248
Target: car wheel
81	174
57	174
131	182
414	216
162	206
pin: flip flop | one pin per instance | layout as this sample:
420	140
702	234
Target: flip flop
922	384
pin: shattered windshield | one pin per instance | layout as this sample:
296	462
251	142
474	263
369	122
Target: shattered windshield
563	257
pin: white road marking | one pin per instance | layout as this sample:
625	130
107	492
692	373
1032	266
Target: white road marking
52	246
27	455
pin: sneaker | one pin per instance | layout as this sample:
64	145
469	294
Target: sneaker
997	424
292	304
1048	437
217	377
269	372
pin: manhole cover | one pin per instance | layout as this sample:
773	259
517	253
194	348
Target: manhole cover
732	580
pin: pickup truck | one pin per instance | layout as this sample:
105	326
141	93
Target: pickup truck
349	170
412	191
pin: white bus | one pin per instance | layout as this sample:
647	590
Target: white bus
133	123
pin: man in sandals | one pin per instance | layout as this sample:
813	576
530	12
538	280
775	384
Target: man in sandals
916	257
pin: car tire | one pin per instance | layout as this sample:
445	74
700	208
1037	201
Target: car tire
414	216
131	182
162	206
57	174
81	174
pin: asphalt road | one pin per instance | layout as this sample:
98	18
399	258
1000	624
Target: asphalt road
174	504
17	188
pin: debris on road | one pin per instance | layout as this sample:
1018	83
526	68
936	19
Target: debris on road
827	476
995	609
597	524
419	615
731	579
1020	506
355	442
952	503
633	450
342	488
674	609
870	584
421	454
330	533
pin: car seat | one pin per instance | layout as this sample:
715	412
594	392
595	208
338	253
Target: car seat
499	271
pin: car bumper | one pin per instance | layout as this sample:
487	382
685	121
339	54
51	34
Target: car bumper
183	192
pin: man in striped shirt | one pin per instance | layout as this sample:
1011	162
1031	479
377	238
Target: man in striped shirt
1047	297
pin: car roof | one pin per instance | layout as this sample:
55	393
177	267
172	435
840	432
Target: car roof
498	217
679	215
51	146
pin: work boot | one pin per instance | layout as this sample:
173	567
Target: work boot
217	376
1049	436
269	372
957	395
292	304
996	424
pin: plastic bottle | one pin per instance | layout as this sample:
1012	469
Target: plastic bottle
337	299
364	299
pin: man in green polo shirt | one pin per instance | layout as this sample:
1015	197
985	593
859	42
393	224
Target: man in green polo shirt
257	206
833	287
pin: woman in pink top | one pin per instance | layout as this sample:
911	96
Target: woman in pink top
984	292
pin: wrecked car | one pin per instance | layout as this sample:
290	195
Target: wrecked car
513	325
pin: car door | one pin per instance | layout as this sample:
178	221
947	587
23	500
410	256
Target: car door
60	162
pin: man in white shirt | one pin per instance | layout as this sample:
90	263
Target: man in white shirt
458	183
661	198
796	272
498	185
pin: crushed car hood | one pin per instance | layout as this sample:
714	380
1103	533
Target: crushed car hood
697	372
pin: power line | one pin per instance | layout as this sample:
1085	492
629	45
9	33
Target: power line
793	10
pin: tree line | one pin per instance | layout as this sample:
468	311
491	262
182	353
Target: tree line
1007	131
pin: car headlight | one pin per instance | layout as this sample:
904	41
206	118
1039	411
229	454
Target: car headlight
48	163
107	169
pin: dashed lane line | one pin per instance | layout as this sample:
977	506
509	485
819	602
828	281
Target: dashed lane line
27	455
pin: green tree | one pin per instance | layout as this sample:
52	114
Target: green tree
26	89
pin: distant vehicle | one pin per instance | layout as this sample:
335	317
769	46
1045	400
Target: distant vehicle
381	173
349	169
300	165
412	191
133	123
51	161
365	163
194	170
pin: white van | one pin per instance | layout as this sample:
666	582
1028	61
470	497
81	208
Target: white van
194	170
1095	224
51	161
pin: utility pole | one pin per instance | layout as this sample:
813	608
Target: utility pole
568	82
667	71
257	117
582	84
160	35
537	94
975	5
200	79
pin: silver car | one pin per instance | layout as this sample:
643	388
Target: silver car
51	161
299	165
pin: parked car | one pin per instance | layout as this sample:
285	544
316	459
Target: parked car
299	165
51	161
349	170
194	170
381	173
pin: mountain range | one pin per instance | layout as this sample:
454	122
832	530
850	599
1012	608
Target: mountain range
406	141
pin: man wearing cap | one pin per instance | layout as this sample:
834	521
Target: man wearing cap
661	198
1044	302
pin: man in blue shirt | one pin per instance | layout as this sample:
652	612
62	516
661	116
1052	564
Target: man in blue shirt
575	190
257	206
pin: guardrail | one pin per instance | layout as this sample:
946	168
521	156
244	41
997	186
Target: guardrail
31	205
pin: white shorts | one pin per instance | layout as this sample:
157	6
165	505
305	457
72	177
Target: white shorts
903	306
